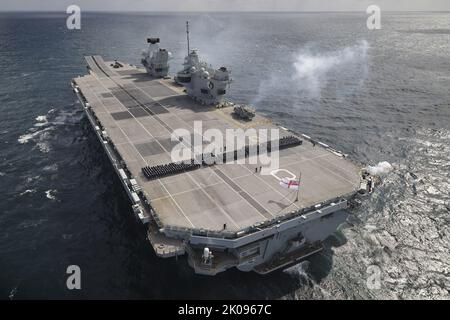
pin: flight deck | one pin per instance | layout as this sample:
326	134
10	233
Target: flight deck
139	115
135	115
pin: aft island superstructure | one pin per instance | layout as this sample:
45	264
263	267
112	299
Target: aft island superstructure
225	213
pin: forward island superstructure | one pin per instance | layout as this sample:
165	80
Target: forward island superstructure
155	59
220	211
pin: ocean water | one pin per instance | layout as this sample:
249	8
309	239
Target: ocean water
376	95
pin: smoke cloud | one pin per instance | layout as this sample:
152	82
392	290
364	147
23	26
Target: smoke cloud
312	71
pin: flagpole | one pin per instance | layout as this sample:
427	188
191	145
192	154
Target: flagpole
298	186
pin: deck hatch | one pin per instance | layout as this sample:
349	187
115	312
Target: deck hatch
149	148
155	109
138	112
122	115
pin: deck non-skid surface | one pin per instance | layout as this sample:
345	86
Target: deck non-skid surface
139	115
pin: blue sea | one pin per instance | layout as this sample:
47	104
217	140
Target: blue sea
380	95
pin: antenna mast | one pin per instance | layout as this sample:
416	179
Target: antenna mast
187	35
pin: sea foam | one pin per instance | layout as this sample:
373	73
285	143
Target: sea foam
382	168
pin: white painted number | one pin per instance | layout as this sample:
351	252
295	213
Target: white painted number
275	172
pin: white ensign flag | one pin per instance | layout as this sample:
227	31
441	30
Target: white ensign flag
289	183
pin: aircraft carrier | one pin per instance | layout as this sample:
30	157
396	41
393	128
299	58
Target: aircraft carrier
222	214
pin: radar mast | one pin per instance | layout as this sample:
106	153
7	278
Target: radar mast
187	36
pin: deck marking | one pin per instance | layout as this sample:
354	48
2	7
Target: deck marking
253	202
204	186
215	202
